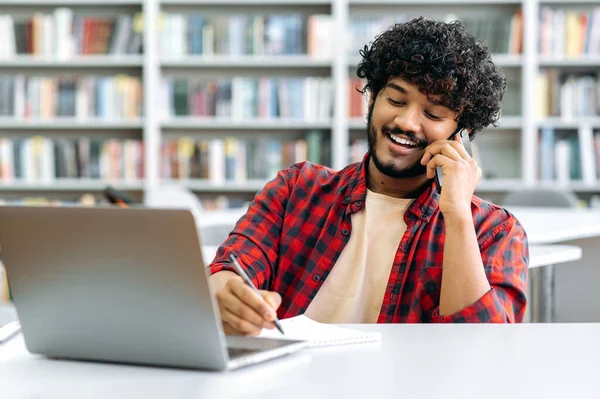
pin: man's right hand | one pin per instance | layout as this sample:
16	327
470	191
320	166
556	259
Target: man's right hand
243	312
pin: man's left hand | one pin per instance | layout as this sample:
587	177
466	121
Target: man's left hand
461	175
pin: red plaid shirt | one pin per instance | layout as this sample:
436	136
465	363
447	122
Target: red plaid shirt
297	226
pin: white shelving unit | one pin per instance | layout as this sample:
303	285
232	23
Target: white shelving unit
72	185
582	61
70	2
69	124
291	61
522	129
89	61
220	124
246	2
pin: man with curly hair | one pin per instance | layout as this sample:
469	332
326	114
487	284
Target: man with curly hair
377	241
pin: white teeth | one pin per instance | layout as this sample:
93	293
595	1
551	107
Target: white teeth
402	140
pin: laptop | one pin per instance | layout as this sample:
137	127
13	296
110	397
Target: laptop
119	285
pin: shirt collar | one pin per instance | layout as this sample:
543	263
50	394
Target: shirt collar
355	193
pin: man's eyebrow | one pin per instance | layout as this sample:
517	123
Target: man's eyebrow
394	86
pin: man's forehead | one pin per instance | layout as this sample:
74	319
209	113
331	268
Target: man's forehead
404	85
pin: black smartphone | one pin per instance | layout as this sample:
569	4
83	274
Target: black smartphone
439	175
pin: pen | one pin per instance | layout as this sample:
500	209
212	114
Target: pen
240	271
9	330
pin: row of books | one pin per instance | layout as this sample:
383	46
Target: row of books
569	32
63	34
235	159
502	33
41	159
567	96
242	34
567	156
91	97
244	98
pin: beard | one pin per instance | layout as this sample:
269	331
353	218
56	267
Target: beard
390	169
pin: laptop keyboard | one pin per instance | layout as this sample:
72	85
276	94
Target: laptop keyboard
239	352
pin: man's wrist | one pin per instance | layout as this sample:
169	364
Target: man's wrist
220	278
459	219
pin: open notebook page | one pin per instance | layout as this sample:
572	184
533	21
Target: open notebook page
319	334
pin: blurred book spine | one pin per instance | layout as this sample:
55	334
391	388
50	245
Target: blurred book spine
358	106
565	32
568	156
64	34
242	34
43	160
568	96
246	98
235	159
110	98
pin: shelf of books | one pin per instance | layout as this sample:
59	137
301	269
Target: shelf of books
71	96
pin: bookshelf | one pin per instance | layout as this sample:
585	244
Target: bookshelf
517	138
75	124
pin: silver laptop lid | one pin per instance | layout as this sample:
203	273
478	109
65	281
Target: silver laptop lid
112	284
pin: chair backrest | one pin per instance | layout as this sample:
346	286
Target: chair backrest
213	226
173	196
541	197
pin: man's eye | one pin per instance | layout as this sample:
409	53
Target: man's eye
433	117
394	102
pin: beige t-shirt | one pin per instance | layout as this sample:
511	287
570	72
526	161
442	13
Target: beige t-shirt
353	292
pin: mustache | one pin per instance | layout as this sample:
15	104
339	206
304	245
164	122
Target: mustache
411	136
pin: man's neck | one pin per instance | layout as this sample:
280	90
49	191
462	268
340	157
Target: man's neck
409	187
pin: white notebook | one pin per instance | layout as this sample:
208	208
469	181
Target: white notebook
319	334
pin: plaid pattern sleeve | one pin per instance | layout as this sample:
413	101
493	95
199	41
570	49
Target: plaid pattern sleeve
255	238
505	257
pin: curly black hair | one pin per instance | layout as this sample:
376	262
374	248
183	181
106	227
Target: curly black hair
446	63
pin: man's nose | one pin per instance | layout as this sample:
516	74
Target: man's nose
408	120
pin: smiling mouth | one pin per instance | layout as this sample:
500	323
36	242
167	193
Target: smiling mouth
402	141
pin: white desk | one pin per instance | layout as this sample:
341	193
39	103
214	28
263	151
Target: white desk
554	225
577	297
412	361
